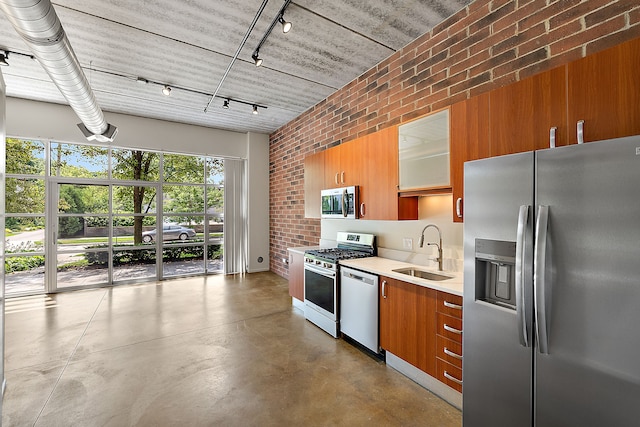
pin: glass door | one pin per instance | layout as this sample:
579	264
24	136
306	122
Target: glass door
81	230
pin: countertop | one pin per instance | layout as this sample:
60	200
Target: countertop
385	267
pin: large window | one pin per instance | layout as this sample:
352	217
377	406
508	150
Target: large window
115	214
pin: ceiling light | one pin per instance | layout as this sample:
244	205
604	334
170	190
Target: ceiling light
3	58
256	59
225	104
286	26
255	109
166	90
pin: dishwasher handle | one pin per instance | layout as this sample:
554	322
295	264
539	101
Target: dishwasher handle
367	280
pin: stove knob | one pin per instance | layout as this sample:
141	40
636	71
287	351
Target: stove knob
318	262
327	265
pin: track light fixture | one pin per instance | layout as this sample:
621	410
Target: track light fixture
286	25
256	59
255	109
166	90
225	104
3	58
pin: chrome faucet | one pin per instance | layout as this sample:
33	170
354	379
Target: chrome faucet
438	245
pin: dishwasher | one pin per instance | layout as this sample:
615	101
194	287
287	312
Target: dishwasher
359	307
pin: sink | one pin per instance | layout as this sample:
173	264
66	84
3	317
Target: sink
422	274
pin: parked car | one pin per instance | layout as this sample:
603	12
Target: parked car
170	232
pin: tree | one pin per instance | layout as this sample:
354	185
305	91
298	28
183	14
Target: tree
140	166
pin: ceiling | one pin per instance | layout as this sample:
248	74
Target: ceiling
189	45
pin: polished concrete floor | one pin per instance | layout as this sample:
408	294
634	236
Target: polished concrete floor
214	351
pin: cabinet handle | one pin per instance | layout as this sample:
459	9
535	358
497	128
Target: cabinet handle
459	207
452	354
451	329
552	137
452	305
336	179
342	178
384	283
361	209
452	378
580	131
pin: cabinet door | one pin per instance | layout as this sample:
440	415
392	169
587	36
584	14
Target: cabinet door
351	162
604	91
296	275
523	113
379	184
469	141
313	184
408	323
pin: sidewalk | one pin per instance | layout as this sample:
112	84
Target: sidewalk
32	281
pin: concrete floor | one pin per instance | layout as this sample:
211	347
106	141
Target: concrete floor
205	351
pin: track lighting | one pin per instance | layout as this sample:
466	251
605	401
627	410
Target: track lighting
256	59
255	109
166	90
225	104
3	58
286	26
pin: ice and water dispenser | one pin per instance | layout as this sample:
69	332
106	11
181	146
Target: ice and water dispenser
495	272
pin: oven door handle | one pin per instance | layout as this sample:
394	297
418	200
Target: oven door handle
324	273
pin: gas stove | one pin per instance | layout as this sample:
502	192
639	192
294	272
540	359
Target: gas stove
350	246
322	279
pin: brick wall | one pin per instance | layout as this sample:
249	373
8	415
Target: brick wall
486	45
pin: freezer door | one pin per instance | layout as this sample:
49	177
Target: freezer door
591	374
497	358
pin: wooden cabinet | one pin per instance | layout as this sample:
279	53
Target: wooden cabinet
379	198
449	340
296	275
469	141
604	91
408	323
313	183
523	113
370	162
343	164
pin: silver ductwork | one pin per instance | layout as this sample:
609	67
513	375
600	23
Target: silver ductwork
37	23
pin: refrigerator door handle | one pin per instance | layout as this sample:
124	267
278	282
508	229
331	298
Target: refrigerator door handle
542	304
523	220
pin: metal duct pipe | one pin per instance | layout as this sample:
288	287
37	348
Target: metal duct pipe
37	23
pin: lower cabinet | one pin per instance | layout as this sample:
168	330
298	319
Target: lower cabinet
417	326
296	275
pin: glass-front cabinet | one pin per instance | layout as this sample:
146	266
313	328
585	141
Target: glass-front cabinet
423	146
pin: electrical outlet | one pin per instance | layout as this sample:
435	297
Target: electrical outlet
407	243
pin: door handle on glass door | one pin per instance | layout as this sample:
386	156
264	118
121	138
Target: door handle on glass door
541	293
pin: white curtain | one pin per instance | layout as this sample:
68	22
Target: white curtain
235	216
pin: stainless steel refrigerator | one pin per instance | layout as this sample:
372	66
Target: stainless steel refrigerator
552	287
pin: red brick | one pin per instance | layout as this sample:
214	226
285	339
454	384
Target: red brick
592	33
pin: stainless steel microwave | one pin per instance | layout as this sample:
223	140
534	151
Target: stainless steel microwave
340	202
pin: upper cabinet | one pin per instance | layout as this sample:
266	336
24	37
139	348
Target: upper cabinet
423	147
604	92
524	115
370	162
469	141
379	197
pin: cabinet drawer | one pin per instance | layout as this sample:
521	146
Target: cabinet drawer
450	327
450	351
450	304
450	375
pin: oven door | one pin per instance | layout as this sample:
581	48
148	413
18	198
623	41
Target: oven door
320	291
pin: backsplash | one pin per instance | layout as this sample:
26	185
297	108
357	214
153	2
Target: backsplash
391	234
